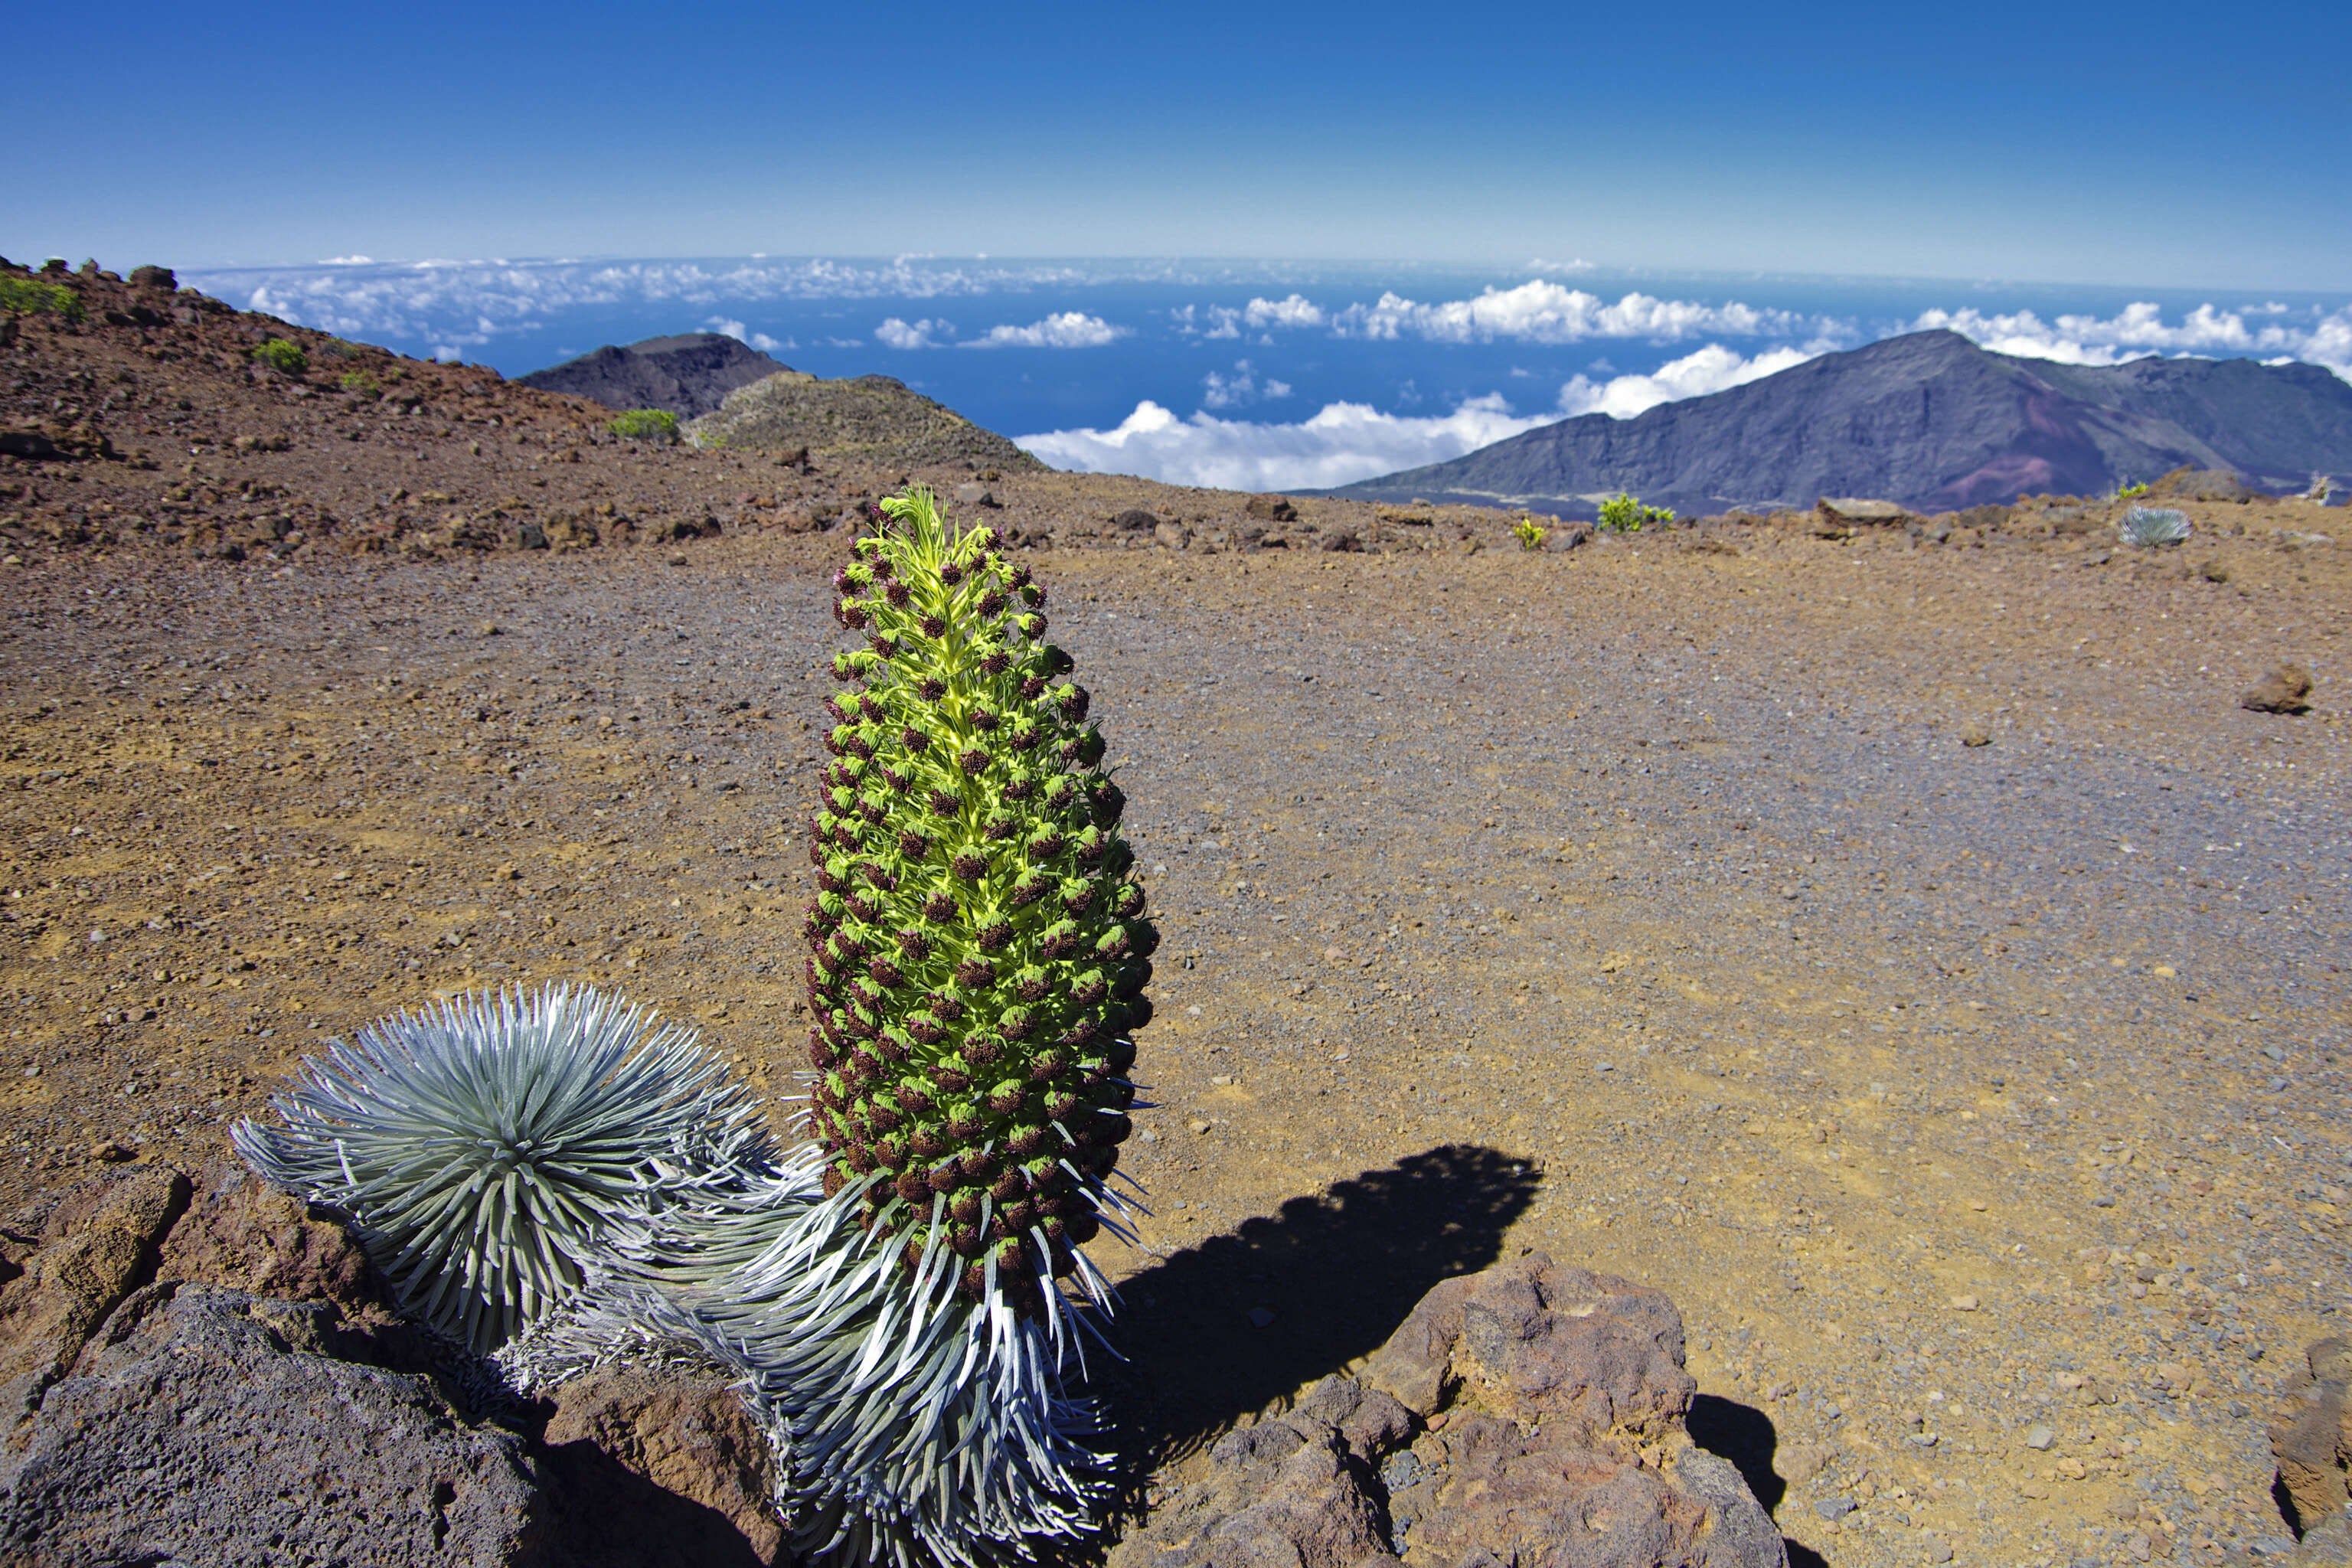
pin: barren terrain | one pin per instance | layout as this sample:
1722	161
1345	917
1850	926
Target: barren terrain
1909	955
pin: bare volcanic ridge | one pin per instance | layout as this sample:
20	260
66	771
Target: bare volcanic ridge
866	419
689	374
1929	419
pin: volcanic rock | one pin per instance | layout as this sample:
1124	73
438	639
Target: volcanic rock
1563	1441
210	1426
2311	1434
2286	689
689	376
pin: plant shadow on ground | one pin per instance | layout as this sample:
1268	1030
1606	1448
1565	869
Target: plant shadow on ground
1745	1436
1339	1271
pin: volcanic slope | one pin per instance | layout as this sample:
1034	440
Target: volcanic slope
1929	419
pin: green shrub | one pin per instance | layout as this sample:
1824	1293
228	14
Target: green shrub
645	425
1623	513
2132	491
33	297
1530	532
284	357
359	382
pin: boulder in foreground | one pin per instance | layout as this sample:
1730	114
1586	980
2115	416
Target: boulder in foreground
1531	1413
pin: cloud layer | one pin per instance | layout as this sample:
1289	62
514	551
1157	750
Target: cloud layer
2139	329
1711	369
1539	312
1342	443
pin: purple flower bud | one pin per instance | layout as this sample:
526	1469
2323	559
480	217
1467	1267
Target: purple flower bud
1029	891
913	740
975	973
896	593
884	648
984	721
970	866
950	574
1077	896
931	689
992	602
1016	1022
885	973
1033	595
975	762
1128	903
850	614
995	936
1033	625
942	804
939	906
914	847
1031	687
1032	983
914	944
933	627
1072	700
996	663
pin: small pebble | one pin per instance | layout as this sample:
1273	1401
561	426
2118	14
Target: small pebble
2038	1437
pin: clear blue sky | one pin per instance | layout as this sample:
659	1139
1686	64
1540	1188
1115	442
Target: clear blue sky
2150	143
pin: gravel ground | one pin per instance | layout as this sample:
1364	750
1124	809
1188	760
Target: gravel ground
1981	1105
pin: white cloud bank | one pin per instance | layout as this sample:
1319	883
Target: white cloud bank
1067	330
1342	443
2271	331
1541	311
1712	369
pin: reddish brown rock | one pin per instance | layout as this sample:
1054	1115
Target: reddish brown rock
2286	689
243	1234
1564	1393
96	1243
1577	1351
687	1454
2311	1436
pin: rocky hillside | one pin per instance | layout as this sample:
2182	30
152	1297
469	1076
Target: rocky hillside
689	376
1929	420
870	418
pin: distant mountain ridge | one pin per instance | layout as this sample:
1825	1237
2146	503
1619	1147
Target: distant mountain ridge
689	374
1929	419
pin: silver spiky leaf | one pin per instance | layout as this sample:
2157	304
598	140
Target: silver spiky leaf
492	1150
2145	527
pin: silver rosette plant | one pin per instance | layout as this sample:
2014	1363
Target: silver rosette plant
493	1151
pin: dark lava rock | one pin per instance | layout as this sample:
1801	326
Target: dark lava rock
1135	519
1927	420
1560	1397
1271	508
689	375
209	1425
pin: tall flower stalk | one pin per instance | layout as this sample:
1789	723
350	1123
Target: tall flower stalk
901	1299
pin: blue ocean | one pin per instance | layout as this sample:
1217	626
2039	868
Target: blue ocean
1256	374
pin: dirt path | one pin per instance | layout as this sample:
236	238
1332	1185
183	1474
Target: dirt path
1981	1105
